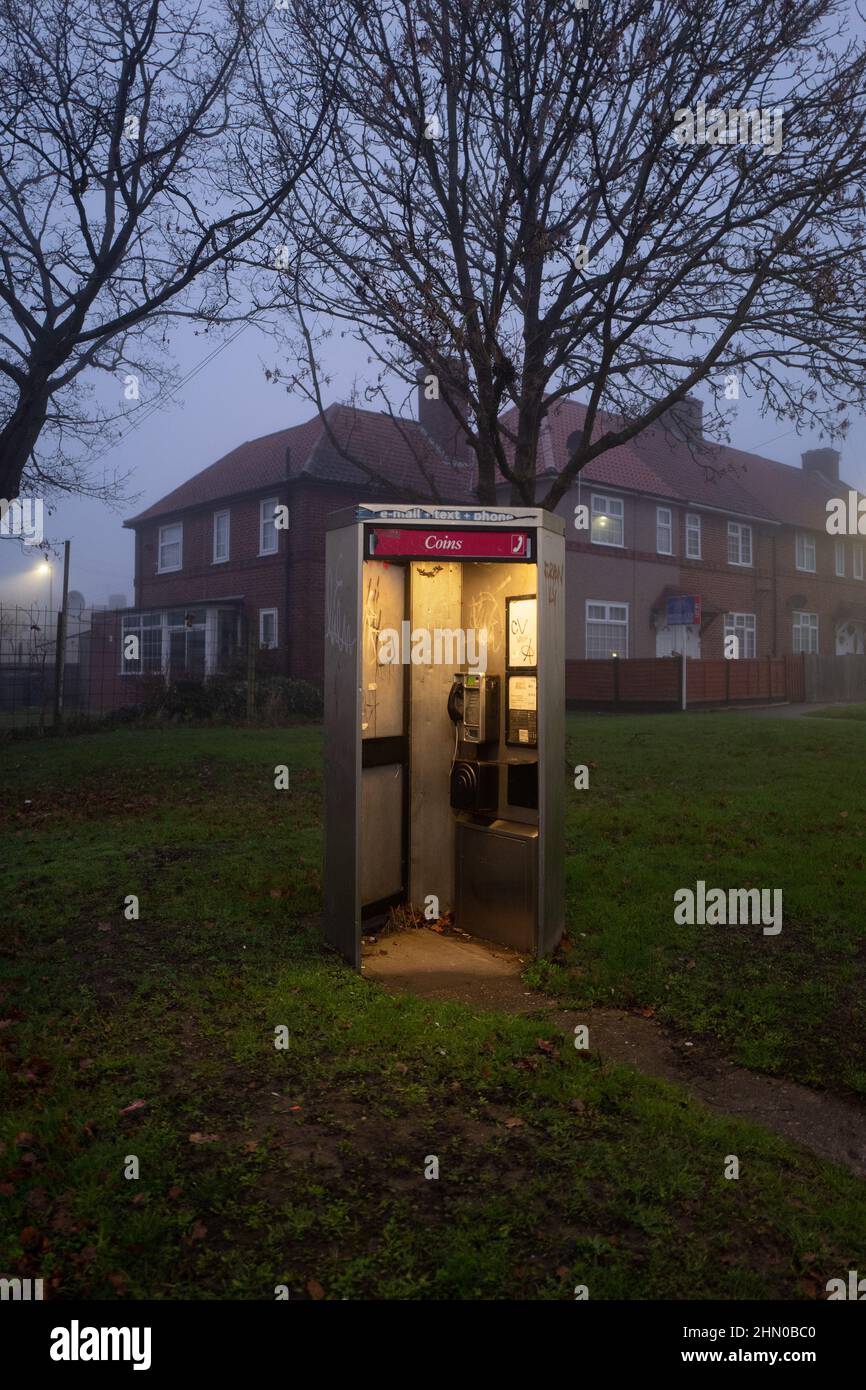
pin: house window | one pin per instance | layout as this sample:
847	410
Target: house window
742	626
144	654
267	627
805	632
607	520
857	561
664	531
175	643
170	547
268	539
220	537
606	629
805	553
840	559
739	544
693	536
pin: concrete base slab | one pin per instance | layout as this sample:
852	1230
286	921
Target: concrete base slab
467	970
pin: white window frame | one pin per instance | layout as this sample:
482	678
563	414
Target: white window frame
857	561
273	503
169	569
743	626
610	514
804	541
737	532
221	559
664	526
132	625
265	613
810	628
606	621
840	559
693	527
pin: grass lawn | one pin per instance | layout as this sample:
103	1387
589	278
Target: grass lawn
739	802
305	1166
839	712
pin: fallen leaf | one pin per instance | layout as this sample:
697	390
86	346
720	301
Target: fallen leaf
199	1231
199	1138
175	1191
514	1122
250	1146
315	1290
577	1105
133	1106
30	1238
546	1046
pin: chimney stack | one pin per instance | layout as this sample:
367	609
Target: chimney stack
823	461
685	420
435	416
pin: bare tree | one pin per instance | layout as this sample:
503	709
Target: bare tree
619	201
122	124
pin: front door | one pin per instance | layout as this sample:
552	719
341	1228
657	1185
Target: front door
669	641
850	639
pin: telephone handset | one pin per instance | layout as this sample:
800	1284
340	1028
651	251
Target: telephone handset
455	702
473	704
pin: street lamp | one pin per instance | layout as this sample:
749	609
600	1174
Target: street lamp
45	568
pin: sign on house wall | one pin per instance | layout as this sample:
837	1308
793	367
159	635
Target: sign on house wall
684	610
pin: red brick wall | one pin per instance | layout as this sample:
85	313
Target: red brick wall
107	687
726	588
261	579
292	580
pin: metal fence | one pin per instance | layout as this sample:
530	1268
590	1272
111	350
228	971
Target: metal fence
184	662
30	689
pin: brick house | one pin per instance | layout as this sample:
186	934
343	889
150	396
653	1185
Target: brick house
214	561
744	532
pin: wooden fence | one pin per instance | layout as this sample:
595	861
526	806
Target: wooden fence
656	682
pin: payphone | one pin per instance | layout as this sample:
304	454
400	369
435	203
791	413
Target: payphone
444	771
473	705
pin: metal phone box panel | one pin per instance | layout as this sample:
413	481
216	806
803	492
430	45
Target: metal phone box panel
445	722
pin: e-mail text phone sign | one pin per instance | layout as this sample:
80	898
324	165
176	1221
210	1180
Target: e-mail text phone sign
410	542
684	610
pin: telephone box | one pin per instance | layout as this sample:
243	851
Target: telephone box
445	721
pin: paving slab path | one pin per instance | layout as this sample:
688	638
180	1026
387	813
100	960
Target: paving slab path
472	972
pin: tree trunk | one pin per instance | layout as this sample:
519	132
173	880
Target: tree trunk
18	438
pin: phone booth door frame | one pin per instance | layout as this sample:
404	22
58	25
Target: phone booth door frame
344	695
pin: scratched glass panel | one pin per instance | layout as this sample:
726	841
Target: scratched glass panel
382	613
